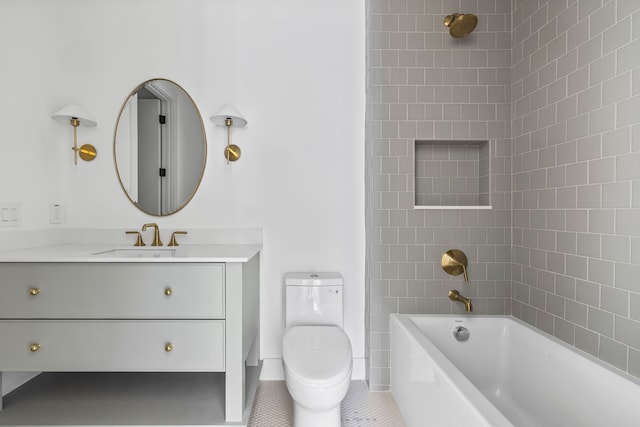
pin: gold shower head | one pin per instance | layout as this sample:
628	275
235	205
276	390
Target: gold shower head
461	24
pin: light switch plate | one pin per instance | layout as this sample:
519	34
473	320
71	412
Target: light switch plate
10	215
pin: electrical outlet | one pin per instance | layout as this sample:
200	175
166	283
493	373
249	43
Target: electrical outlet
56	213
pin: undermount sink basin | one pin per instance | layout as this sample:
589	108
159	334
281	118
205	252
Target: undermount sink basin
137	253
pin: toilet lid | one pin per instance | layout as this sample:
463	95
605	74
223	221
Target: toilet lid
317	355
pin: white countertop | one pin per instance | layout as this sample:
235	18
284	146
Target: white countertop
96	253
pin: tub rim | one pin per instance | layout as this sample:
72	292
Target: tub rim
577	350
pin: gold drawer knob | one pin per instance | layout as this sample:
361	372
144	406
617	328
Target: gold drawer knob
168	292
168	347
34	347
34	291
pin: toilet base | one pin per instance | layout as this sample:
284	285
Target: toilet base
303	417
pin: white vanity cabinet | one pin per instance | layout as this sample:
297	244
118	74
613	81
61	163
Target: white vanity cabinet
132	317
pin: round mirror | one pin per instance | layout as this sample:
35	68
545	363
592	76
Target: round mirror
159	147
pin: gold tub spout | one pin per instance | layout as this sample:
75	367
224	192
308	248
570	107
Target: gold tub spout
454	295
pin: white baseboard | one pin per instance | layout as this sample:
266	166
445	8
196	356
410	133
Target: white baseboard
272	369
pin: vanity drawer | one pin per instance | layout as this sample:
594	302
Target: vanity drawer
112	290
112	345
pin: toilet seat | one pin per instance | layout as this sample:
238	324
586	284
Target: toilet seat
318	356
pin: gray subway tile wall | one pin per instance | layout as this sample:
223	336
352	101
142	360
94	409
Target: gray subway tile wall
425	86
587	153
555	86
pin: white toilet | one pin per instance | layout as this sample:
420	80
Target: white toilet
316	353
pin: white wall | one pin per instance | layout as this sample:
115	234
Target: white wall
294	69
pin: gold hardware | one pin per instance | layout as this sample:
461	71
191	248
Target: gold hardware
454	262
173	241
139	241
34	291
228	116
34	347
75	123
168	347
76	116
231	152
168	292
455	296
461	25
156	234
87	152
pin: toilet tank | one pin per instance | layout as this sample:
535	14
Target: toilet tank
313	299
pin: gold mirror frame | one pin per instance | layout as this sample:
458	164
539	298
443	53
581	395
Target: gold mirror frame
196	163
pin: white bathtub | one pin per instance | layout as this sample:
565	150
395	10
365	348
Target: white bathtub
506	374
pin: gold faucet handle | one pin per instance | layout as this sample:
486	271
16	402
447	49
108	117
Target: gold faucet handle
139	241
454	262
173	241
156	233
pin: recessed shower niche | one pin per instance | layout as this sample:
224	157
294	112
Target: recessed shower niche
452	174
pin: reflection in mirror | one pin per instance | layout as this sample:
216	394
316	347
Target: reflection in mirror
159	147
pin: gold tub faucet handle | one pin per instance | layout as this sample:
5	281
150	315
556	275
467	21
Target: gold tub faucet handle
454	262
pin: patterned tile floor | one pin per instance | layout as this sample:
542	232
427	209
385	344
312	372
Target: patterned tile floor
272	407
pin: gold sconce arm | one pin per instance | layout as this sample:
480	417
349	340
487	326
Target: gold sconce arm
228	116
77	116
231	152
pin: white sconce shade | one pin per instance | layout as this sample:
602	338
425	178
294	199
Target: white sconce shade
76	116
74	111
228	112
229	116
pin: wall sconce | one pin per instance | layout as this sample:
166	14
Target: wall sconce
76	116
228	116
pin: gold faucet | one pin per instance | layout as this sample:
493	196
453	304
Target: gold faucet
454	295
156	234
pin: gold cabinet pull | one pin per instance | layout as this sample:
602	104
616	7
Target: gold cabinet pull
34	347
168	292
168	347
34	291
